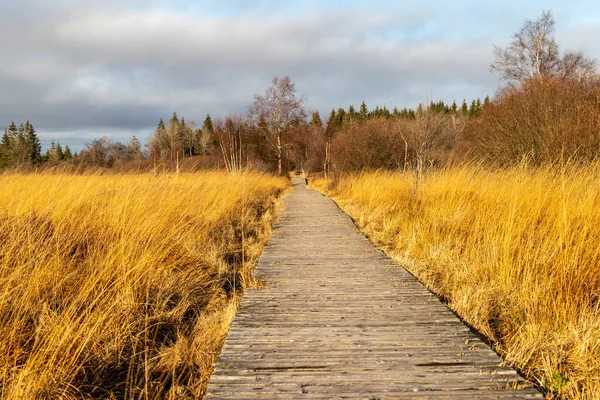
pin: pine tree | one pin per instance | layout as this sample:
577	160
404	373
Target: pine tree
385	112
332	122
473	109
12	143
316	119
186	138
486	102
351	111
12	131
33	143
60	154
376	112
5	150
341	117
364	111
67	156
205	137
208	125
159	143
464	108
454	106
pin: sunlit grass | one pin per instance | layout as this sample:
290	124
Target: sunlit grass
515	252
123	286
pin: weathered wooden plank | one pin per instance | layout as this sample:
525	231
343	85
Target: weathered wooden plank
336	318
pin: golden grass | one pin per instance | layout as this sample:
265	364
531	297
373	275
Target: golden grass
123	286
515	252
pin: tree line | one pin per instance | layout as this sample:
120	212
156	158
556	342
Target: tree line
548	110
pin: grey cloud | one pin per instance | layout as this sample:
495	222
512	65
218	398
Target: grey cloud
80	68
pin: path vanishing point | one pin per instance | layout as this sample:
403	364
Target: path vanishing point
337	318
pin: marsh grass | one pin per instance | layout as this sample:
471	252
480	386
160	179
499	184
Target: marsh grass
123	286
516	253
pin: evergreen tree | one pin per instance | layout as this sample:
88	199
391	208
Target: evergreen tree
486	102
12	144
364	111
17	151
205	136
316	119
60	154
341	117
332	123
159	143
5	150
454	106
33	143
351	111
473	109
67	156
208	125
187	139
385	112
12	133
464	108
376	112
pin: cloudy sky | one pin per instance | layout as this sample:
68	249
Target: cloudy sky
84	69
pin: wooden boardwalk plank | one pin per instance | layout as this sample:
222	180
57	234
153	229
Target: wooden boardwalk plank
337	318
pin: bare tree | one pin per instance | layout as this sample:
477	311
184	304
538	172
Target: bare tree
428	127
574	65
229	135
204	137
189	137
279	108
533	54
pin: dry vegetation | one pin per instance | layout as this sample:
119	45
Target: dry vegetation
123	286
515	252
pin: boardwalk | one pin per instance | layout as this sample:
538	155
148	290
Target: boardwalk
338	319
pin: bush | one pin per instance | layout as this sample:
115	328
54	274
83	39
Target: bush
543	121
373	144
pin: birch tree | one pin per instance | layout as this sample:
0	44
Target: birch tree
534	54
279	108
230	136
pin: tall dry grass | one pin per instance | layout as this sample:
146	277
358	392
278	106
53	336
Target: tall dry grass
123	286
515	252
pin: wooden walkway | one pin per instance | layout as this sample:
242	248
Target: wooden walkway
338	319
